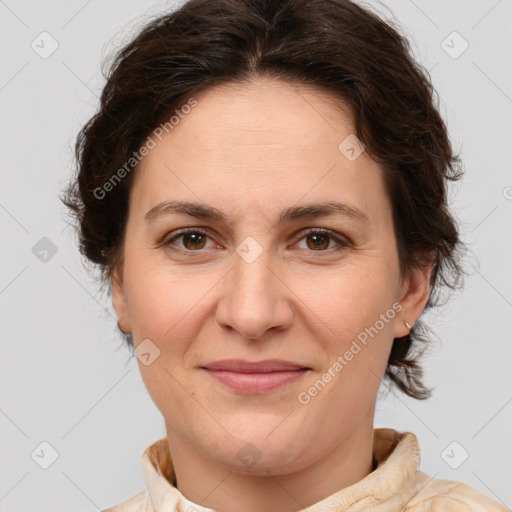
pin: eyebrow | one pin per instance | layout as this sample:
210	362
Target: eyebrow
307	211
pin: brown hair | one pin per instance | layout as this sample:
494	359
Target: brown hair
333	45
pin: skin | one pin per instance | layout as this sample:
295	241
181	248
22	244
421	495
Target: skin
251	150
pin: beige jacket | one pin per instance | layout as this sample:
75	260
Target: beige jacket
396	485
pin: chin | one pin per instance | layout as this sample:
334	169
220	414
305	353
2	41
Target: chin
262	450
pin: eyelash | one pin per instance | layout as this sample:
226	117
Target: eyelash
319	231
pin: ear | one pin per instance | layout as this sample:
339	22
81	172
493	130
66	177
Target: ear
119	299
414	295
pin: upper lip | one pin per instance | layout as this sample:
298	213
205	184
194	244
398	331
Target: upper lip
243	366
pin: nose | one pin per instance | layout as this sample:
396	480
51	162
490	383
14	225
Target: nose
255	297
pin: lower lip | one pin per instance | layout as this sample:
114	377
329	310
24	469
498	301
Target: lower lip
256	383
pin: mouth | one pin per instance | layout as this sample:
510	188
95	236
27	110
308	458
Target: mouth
255	377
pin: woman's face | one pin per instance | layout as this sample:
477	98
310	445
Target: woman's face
257	287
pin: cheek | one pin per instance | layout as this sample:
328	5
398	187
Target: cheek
165	306
348	300
155	307
357	317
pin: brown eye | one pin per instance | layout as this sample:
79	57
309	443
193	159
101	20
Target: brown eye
318	240
193	240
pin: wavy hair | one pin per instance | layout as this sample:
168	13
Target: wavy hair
333	45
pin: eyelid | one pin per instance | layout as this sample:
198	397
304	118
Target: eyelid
342	240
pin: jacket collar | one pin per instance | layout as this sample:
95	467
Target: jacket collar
392	483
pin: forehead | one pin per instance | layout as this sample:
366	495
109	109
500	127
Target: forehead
259	143
268	113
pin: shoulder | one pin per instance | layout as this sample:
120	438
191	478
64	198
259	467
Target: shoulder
139	503
450	496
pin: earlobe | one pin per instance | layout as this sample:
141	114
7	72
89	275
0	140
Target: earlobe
119	300
414	298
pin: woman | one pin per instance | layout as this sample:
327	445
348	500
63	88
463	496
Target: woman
264	191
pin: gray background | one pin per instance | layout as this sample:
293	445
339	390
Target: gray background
65	377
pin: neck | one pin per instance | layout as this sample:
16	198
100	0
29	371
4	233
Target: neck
212	484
